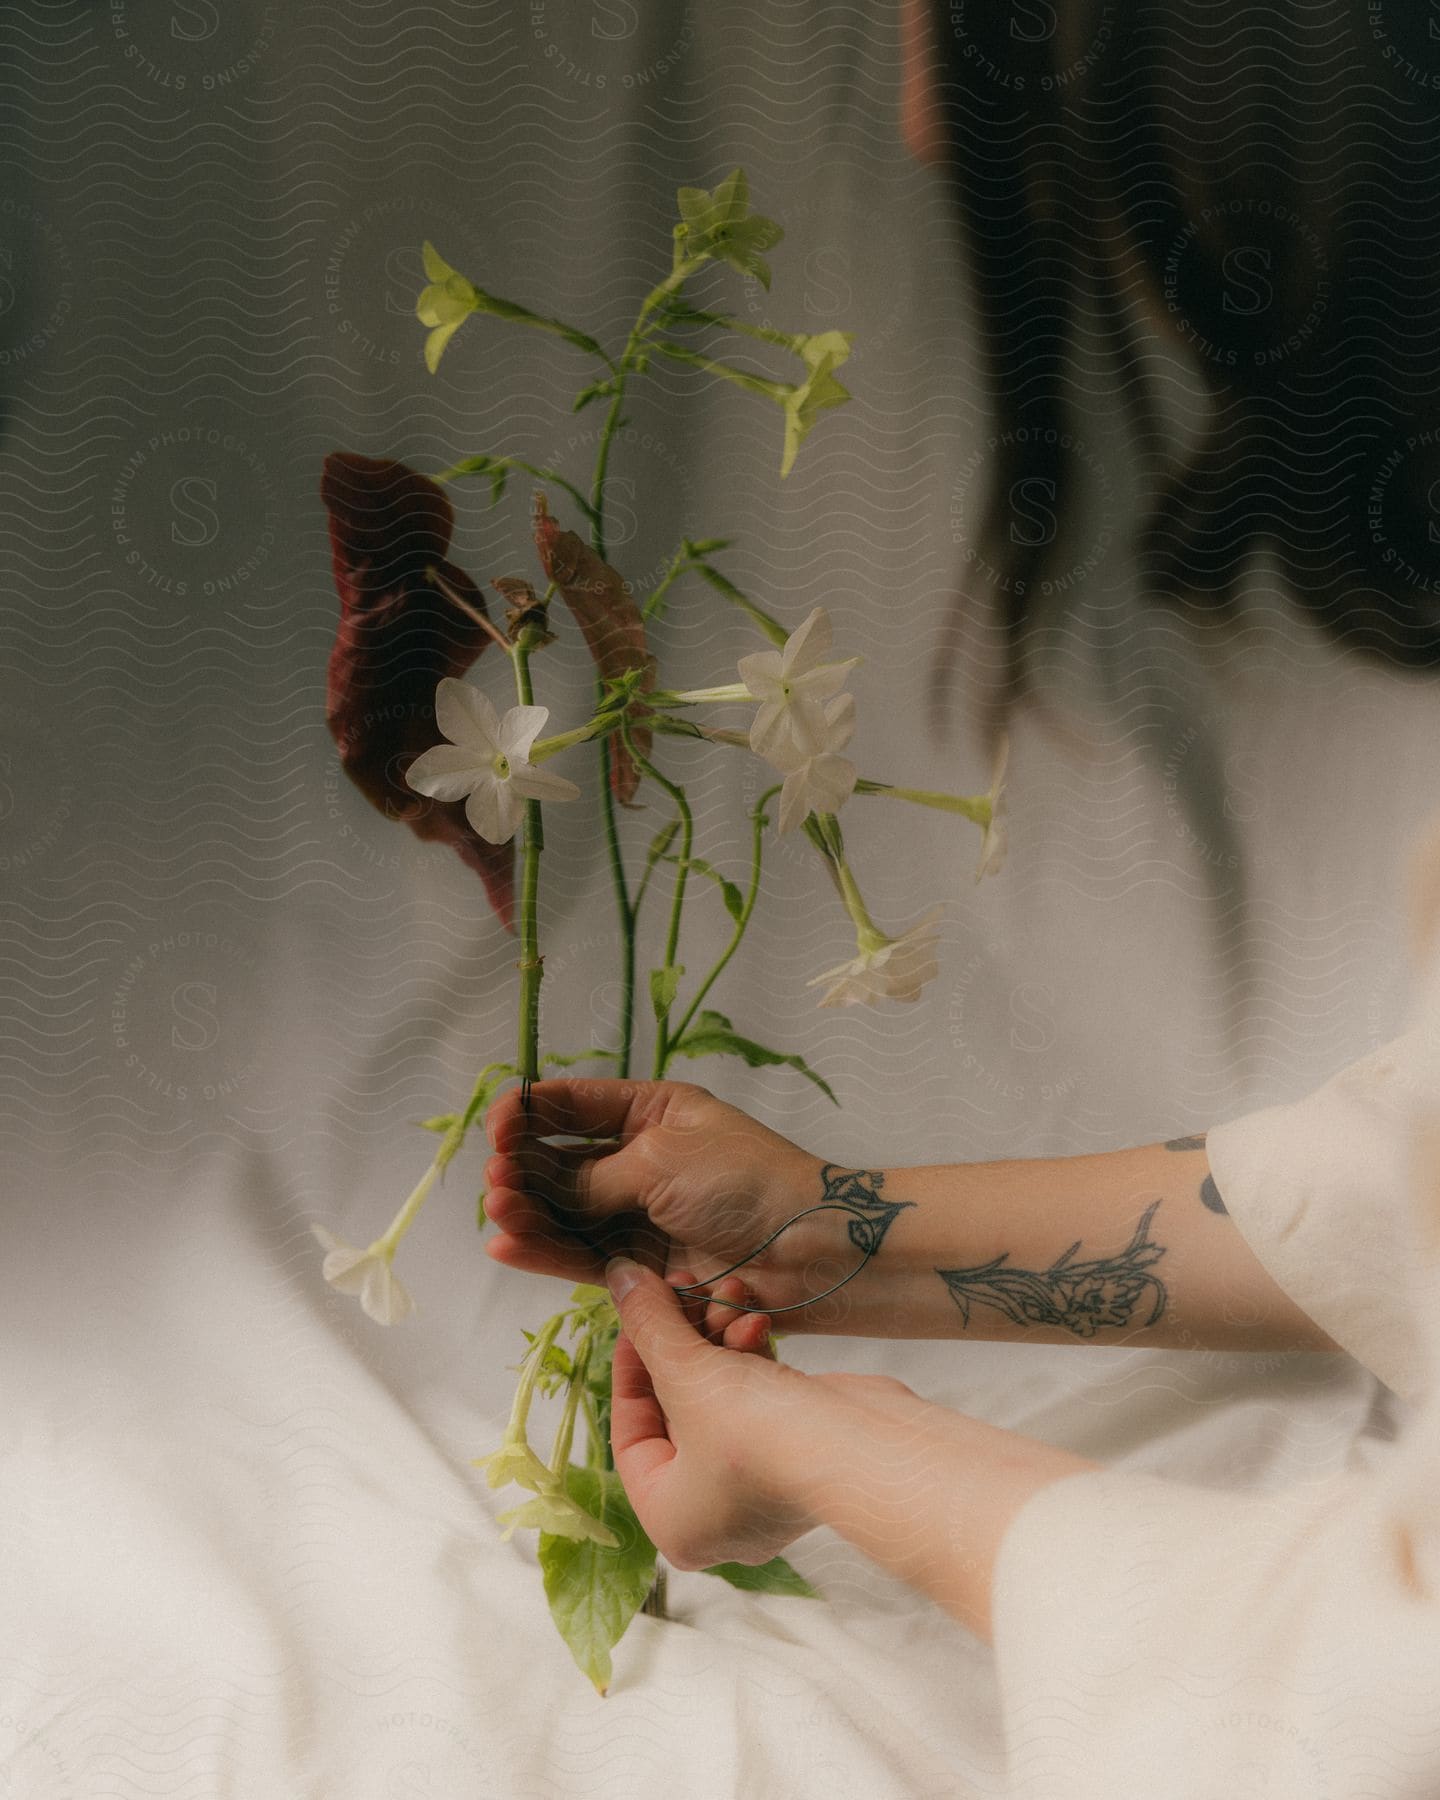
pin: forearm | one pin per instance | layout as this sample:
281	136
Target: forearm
925	1492
1130	1246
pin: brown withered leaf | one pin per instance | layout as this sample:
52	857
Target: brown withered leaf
400	632
604	608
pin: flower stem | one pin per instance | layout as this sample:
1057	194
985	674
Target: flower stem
565	1434
758	821
753	384
531	963
978	807
677	902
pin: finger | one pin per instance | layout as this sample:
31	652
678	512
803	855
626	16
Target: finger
639	1438
542	1256
571	1108
548	1208
745	1331
750	1334
574	1184
652	1316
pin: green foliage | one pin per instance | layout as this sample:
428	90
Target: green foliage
729	893
594	1591
664	985
712	1034
773	1577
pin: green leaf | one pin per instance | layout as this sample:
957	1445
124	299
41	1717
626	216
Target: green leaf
662	840
441	1122
712	1034
559	1060
773	1577
598	390
664	985
594	1590
729	893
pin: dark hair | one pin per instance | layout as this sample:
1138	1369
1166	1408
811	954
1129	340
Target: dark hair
1259	183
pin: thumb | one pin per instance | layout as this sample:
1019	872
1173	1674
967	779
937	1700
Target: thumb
652	1316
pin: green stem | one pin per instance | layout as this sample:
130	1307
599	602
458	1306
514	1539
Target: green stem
565	1434
624	907
758	821
778	391
979	807
531	964
682	871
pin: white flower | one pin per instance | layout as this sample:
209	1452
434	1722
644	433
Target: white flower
366	1273
559	1515
995	844
487	758
792	686
515	1461
822	782
895	969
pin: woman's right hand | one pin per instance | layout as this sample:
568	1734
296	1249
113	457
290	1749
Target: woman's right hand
677	1179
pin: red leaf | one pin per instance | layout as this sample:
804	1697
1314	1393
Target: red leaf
605	610
399	634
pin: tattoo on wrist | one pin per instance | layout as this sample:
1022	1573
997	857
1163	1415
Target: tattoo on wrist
1080	1296
857	1192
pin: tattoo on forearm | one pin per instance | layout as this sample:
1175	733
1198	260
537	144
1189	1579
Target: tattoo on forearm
1209	1193
1080	1296
857	1192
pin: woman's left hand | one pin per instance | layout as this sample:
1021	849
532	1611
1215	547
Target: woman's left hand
698	1431
729	1458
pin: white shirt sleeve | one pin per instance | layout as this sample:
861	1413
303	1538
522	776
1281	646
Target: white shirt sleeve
1320	1190
1155	1637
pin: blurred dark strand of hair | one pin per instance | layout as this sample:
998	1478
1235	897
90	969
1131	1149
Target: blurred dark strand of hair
1106	153
1149	170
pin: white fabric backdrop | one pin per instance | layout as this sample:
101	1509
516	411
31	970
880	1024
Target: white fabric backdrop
244	1551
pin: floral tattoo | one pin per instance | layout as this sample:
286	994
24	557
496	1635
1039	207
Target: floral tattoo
857	1192
1080	1296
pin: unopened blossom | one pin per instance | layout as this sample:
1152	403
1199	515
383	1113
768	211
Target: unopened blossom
558	1514
885	968
488	760
995	844
792	686
367	1273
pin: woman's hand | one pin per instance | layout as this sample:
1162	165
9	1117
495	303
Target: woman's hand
698	1432
676	1178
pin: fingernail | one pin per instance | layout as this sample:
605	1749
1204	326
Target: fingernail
621	1274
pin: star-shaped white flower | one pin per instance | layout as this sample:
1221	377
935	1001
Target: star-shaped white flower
822	782
792	686
488	759
895	969
995	844
559	1515
366	1273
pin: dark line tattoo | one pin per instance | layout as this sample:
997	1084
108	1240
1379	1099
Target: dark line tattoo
1080	1296
1187	1143
1210	1196
857	1192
